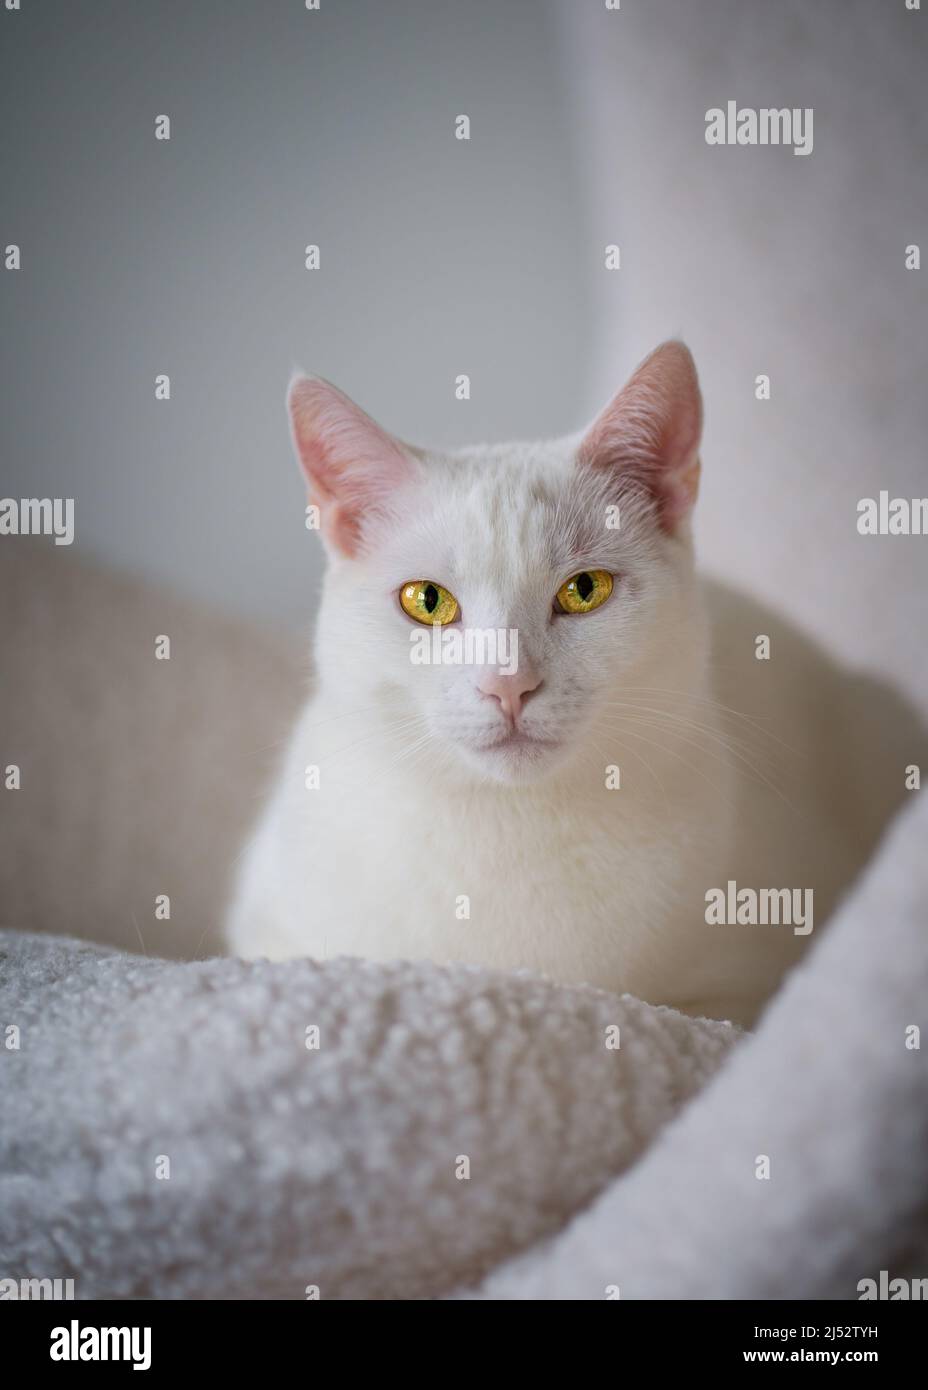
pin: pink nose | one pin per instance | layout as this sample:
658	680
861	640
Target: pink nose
511	691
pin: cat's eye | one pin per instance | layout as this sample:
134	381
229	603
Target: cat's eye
584	592
427	602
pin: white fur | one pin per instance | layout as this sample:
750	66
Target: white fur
562	875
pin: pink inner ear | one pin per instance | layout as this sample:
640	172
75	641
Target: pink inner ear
650	432
351	464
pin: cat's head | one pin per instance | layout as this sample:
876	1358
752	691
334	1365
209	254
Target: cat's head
580	547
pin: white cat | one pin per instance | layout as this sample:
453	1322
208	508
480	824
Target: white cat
572	816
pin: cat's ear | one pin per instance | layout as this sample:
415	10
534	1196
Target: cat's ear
351	465
649	433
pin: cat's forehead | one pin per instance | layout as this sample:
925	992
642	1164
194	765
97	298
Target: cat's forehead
523	479
539	458
504	510
503	499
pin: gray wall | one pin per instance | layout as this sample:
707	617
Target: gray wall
791	266
288	127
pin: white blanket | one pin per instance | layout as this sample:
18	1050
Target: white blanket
166	1132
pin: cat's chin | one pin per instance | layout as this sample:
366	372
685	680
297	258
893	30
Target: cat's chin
516	759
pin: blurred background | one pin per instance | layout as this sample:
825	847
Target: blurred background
485	257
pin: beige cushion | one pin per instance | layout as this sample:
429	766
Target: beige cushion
139	776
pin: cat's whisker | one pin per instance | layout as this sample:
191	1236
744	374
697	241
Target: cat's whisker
703	738
346	714
373	740
275	745
663	748
730	742
690	695
734	746
675	717
382	733
413	754
634	754
351	786
659	727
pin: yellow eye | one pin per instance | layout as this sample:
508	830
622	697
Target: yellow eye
426	602
585	591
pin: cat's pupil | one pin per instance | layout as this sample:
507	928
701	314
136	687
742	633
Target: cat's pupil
430	598
585	586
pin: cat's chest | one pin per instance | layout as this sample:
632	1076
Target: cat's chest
577	893
418	851
577	882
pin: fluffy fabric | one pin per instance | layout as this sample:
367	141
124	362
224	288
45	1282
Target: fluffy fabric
290	1167
831	1090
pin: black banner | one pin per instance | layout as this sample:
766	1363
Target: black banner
172	1338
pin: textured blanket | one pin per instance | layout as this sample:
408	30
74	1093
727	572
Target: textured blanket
242	1130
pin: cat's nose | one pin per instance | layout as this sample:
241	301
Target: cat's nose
511	691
